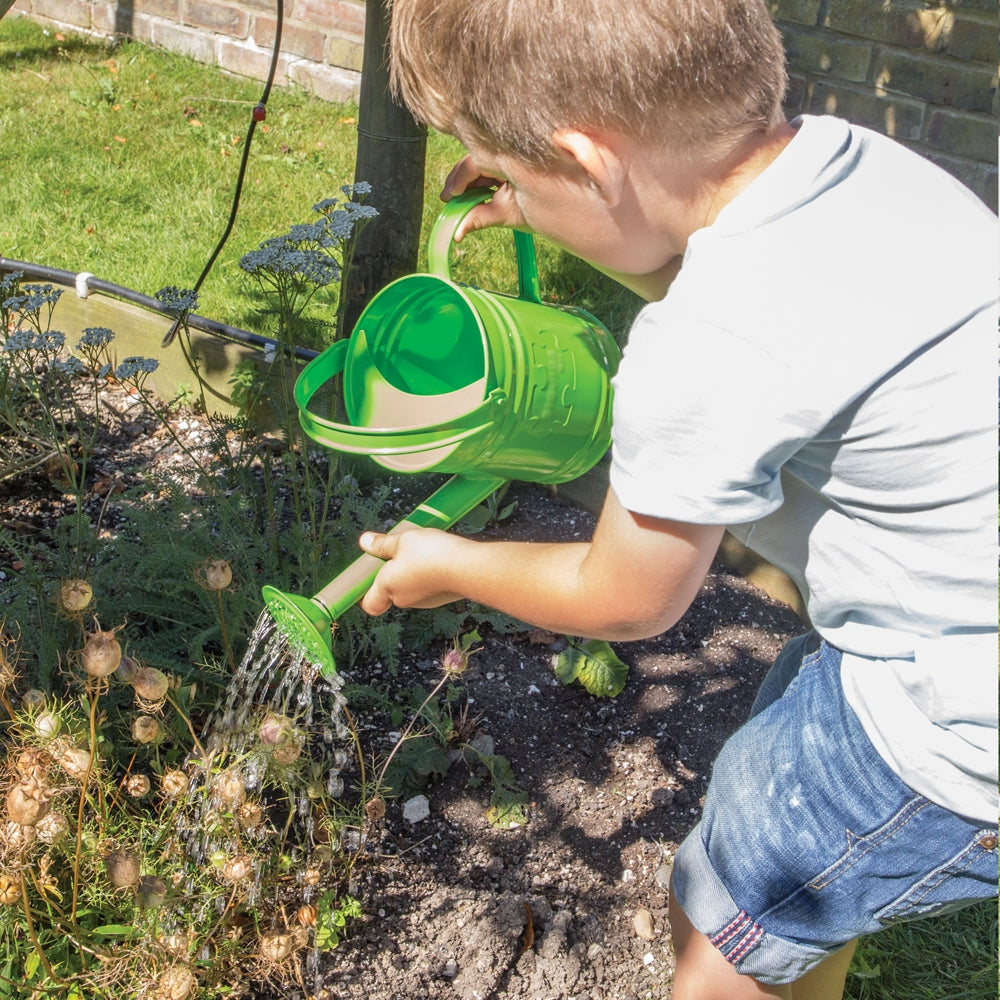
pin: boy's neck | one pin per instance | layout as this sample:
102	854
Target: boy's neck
744	166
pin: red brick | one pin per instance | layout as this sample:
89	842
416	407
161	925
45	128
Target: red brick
217	17
336	14
306	42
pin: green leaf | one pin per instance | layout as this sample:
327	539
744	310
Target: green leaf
595	665
507	808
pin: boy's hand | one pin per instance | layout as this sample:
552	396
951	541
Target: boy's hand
411	580
501	210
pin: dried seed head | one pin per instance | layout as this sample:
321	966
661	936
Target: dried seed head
306	915
75	595
237	869
151	685
137	785
33	698
75	761
276	946
101	653
27	802
52	828
17	837
217	574
145	729
150	892
33	764
229	789
375	808
250	814
122	867
176	944
176	983
10	890
173	783
127	669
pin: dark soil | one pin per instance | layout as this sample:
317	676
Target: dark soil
574	903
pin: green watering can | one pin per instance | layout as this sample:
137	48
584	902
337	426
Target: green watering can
444	377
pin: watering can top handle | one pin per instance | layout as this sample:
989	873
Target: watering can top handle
443	234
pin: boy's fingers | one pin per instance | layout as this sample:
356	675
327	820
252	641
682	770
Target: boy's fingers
381	546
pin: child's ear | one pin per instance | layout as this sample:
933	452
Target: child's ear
598	158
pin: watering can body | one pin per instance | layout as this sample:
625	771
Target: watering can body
448	378
442	377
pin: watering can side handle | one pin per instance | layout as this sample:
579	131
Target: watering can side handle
443	235
441	510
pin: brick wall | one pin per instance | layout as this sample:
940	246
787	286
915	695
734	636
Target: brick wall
923	72
321	40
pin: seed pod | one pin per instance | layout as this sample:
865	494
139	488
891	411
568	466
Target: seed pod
33	765
218	574
101	654
127	669
279	736
123	868
27	803
75	595
455	660
52	828
173	784
145	729
237	869
33	698
151	684
250	815
229	790
276	947
10	891
150	892
175	983
16	837
137	785
306	915
176	944
48	724
75	762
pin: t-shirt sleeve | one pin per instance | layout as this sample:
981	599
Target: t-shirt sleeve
704	421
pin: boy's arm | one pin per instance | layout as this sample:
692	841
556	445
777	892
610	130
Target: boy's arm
635	579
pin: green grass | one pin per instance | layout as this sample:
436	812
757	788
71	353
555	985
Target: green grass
953	957
122	160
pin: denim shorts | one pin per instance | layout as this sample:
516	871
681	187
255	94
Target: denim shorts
808	840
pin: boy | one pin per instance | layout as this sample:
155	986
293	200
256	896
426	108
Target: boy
815	370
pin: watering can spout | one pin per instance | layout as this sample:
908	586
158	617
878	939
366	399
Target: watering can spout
306	623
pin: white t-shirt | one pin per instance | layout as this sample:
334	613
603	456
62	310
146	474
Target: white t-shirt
821	377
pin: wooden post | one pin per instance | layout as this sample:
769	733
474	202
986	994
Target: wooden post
390	157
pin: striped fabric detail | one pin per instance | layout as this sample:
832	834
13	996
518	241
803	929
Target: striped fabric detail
738	938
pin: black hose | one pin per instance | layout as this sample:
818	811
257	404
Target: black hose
258	114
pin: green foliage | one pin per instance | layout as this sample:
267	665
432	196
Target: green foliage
488	514
595	665
333	913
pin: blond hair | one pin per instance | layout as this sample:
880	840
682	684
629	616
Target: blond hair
507	74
